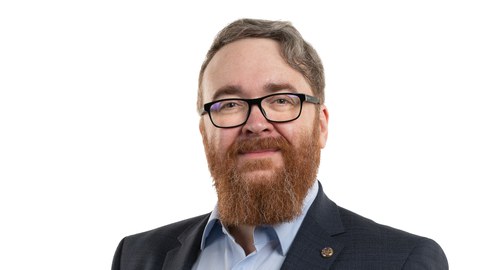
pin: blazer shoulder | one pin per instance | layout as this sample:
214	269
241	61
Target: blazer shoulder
427	254
167	233
394	245
142	250
359	225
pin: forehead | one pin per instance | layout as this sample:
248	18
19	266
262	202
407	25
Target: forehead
248	68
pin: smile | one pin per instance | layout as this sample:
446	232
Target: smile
260	153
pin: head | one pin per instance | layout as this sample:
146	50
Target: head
296	52
262	169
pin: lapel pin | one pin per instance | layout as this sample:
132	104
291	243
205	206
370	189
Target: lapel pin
327	252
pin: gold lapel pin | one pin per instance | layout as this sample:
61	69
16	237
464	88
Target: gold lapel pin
327	252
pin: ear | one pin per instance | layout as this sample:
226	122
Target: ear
323	125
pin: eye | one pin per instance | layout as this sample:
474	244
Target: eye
281	101
227	106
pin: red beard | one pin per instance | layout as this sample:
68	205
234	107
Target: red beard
268	199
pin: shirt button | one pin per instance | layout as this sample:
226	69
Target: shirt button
327	252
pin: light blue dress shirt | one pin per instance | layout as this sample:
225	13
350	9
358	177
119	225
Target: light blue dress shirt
220	251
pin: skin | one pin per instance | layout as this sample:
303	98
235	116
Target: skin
252	68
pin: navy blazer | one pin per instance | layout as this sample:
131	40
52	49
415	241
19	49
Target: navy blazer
330	237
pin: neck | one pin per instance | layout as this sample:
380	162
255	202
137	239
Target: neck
243	235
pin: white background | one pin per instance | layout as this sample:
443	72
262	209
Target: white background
99	134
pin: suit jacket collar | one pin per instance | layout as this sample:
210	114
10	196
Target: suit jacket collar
316	233
185	255
321	223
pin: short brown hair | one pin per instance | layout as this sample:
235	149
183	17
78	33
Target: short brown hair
299	55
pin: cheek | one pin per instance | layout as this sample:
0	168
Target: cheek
221	139
226	137
287	131
294	131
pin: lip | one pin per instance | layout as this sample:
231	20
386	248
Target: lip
259	153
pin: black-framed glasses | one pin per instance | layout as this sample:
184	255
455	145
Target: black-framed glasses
278	108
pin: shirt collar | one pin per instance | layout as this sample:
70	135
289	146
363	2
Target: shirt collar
286	231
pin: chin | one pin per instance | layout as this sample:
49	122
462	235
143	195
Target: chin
259	176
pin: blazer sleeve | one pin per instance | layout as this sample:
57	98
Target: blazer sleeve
427	255
117	256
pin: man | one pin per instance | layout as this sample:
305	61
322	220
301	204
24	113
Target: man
264	123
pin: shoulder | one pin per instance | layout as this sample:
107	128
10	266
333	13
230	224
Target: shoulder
152	246
372	241
366	228
166	235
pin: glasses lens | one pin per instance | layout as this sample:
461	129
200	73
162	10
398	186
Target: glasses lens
229	113
282	107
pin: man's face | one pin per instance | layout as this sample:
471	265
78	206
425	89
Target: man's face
252	68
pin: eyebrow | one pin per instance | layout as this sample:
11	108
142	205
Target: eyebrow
276	87
227	90
237	90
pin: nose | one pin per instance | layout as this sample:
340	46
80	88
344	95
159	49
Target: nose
257	123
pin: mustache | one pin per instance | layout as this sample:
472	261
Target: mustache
256	144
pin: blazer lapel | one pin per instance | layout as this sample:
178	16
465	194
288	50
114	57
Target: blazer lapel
184	256
313	246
